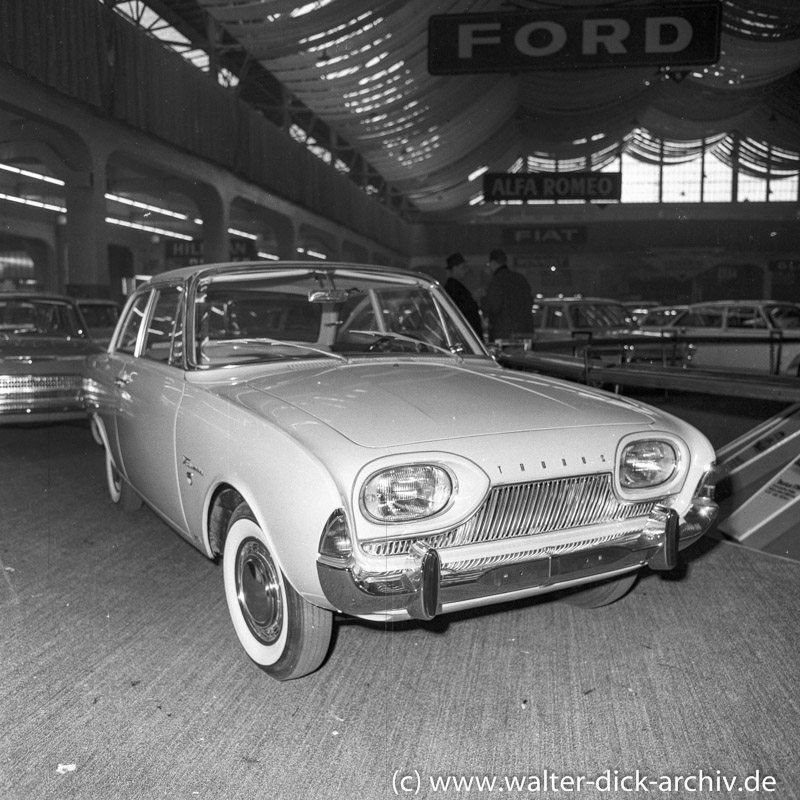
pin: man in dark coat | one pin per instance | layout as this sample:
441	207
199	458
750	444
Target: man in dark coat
508	302
461	296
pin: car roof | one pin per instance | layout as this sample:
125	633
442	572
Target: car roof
761	302
34	295
95	301
578	299
207	270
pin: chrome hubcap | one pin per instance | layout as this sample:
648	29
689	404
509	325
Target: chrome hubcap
258	591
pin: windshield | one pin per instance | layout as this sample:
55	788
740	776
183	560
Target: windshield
339	313
785	316
33	316
100	315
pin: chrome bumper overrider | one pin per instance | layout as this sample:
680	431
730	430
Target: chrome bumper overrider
427	589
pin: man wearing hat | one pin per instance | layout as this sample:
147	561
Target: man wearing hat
508	302
461	296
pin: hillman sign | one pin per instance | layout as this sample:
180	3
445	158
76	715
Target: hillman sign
526	186
651	34
191	252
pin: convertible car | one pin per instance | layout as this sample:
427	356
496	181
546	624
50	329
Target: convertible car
339	437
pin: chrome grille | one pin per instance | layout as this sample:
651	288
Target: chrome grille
11	384
20	393
528	509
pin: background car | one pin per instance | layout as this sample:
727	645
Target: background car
563	317
341	438
605	330
638	308
43	348
660	317
760	335
101	317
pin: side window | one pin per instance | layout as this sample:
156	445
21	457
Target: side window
164	327
784	316
133	324
705	317
556	318
745	317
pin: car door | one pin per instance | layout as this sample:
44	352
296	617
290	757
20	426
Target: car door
702	326
150	385
747	326
784	320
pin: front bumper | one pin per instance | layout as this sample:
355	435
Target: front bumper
427	589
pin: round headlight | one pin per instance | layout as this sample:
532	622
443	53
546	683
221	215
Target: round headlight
647	463
409	492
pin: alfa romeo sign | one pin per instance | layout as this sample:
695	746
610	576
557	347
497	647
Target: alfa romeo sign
526	186
674	34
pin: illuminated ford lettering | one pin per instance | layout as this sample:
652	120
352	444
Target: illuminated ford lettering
688	34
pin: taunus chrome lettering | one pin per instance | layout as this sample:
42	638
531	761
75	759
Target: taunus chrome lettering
187	462
191	469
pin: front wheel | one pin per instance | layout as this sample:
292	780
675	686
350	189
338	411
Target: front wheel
286	636
120	491
603	593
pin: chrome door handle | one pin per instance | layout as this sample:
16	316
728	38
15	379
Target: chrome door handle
123	380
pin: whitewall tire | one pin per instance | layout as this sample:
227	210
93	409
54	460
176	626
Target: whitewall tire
119	490
282	633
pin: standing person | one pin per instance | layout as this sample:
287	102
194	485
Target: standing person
508	302
461	296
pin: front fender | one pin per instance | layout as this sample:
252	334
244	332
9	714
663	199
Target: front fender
290	491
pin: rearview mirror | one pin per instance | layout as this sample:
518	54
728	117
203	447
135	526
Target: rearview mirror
330	295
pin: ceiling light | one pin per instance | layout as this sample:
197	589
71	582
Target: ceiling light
145	206
477	173
28	174
149	228
35	203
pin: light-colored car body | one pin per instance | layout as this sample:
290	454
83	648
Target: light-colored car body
44	344
596	327
740	335
342	439
563	317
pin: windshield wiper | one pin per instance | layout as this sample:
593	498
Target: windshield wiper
386	337
280	343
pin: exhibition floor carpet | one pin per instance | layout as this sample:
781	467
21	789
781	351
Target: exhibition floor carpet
122	677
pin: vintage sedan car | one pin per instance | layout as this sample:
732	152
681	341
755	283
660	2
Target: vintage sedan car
340	437
563	317
740	335
597	328
43	348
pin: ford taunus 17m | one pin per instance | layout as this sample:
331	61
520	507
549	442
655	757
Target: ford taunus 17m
338	436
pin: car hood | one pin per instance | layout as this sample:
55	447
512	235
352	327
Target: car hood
396	403
42	348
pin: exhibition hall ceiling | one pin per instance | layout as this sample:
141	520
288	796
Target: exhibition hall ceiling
368	71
